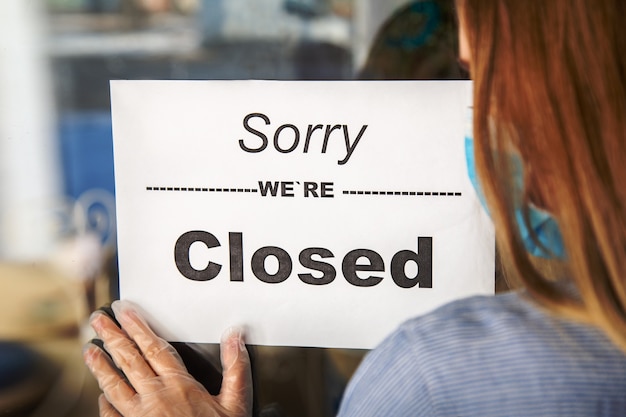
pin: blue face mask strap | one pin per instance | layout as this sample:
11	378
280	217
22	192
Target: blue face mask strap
546	232
543	225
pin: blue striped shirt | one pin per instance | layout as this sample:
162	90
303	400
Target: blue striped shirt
490	356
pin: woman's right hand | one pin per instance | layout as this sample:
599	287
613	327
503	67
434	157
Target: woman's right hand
155	381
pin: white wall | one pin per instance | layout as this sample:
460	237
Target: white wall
29	163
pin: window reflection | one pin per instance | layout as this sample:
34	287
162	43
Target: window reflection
68	50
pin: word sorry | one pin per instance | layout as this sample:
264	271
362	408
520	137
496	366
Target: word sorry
293	138
360	267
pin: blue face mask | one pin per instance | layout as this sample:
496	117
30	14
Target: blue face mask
541	222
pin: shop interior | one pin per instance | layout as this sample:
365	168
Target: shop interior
57	193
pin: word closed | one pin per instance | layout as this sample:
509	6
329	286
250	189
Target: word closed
360	267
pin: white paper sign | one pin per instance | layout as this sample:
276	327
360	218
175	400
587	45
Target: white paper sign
313	213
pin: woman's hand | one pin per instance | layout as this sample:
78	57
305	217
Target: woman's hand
155	381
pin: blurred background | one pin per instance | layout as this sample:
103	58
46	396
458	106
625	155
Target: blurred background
57	196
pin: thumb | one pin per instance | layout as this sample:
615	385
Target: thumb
236	393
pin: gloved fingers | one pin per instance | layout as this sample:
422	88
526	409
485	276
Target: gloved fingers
105	407
123	350
236	393
108	376
159	354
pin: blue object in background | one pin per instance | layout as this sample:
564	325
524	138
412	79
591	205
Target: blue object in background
16	363
86	142
87	152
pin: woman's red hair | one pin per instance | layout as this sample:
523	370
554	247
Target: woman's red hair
550	86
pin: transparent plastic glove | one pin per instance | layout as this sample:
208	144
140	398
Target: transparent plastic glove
155	381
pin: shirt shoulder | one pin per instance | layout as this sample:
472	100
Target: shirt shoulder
498	355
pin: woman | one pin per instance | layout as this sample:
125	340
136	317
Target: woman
550	137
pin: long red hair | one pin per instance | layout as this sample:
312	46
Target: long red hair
550	86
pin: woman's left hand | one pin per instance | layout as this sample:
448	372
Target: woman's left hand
155	381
